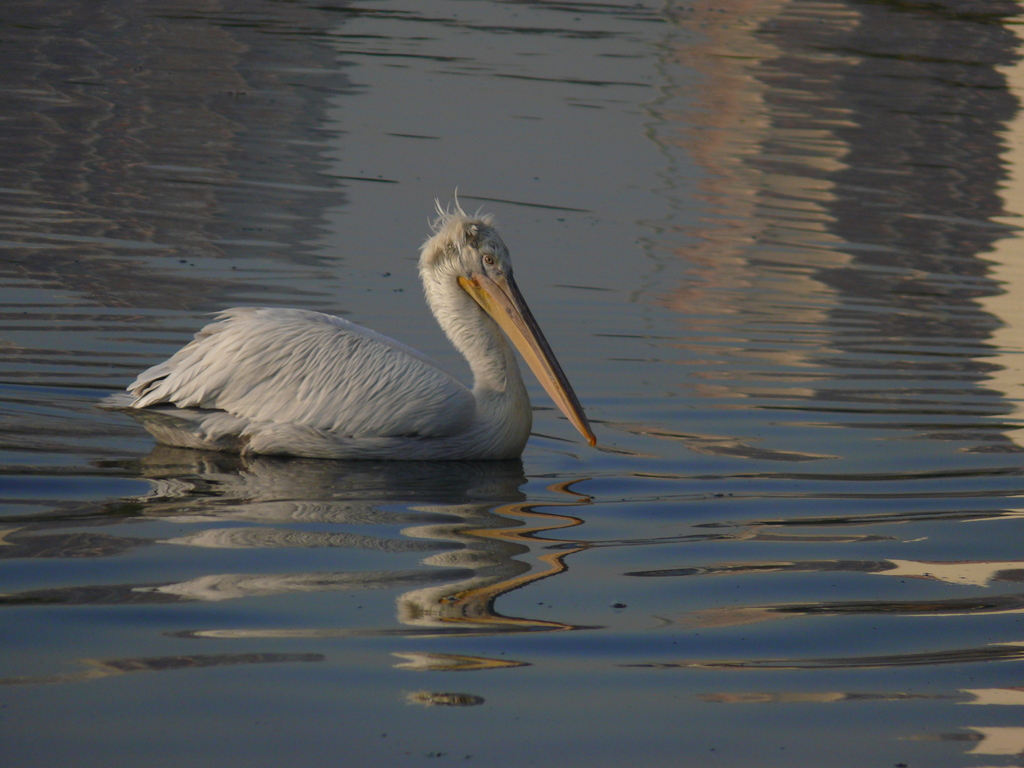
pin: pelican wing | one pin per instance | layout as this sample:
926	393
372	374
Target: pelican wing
293	366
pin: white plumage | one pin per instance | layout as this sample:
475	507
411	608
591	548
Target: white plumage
301	383
301	367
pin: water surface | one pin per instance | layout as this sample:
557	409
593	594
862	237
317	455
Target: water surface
776	248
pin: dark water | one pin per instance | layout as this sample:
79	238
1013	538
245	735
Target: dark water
776	246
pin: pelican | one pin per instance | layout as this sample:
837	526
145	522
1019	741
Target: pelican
300	383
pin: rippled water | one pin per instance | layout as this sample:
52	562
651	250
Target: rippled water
776	247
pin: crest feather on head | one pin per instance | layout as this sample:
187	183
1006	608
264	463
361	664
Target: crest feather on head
453	229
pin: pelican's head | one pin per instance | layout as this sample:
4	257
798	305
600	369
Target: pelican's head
466	255
462	245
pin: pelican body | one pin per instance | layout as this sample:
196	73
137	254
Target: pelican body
301	383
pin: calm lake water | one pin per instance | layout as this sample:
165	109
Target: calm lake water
776	246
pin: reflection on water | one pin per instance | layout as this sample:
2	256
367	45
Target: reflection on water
1002	652
465	520
803	360
968	574
98	669
447	661
840	276
122	147
428	699
1000	696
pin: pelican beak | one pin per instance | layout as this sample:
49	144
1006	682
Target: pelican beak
504	303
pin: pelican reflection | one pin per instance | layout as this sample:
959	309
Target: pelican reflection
448	537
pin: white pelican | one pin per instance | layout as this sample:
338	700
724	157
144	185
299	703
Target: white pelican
300	383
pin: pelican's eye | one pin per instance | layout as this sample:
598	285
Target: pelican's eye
488	260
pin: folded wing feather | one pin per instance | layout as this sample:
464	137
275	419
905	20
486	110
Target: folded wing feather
300	367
